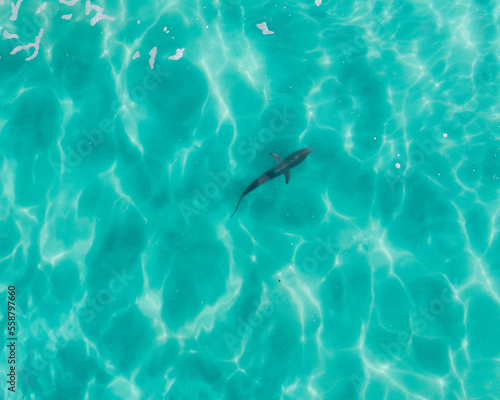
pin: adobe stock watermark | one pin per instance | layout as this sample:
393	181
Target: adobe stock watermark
417	156
486	88
322	252
220	180
31	23
93	138
73	157
245	327
104	297
358	42
70	330
393	350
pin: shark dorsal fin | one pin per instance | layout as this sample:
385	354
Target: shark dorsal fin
276	157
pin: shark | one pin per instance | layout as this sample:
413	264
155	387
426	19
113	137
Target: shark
283	167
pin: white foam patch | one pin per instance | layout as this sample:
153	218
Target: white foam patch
8	35
69	2
317	2
99	16
41	8
177	55
152	53
263	27
136	55
36	45
67	16
15	9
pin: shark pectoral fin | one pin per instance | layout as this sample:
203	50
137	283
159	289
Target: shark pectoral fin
276	157
287	176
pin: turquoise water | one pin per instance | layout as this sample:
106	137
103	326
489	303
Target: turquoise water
373	274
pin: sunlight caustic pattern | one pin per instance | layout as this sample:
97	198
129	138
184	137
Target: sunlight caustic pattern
128	132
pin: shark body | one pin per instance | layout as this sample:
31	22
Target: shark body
282	167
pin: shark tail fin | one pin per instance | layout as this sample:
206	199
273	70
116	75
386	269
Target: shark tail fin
236	209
